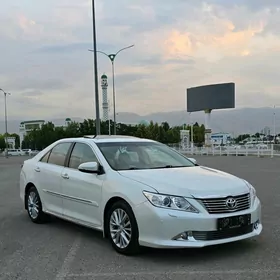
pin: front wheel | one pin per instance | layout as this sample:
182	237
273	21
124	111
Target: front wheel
122	229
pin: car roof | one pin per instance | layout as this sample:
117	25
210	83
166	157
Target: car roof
106	139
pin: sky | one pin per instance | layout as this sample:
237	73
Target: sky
46	66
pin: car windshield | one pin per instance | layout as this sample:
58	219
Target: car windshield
142	155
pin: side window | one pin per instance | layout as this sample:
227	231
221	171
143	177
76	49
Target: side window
58	154
81	153
45	157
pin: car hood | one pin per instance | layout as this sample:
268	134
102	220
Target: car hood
197	181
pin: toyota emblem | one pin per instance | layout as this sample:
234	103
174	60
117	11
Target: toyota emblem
231	203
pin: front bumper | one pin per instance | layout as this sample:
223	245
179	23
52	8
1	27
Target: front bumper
163	228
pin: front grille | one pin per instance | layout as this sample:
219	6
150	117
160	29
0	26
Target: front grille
221	234
218	205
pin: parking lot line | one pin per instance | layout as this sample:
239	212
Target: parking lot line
177	273
66	266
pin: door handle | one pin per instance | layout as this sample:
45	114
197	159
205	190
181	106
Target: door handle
37	169
65	176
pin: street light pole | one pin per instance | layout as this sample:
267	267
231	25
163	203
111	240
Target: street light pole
112	59
114	97
6	121
97	118
109	117
274	124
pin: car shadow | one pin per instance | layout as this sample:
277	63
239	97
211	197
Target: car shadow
76	229
198	255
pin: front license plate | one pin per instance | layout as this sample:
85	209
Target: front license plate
233	222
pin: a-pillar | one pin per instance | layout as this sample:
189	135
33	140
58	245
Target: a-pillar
208	131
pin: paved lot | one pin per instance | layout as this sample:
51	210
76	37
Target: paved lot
60	250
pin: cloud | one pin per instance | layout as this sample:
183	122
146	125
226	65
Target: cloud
83	46
253	5
31	83
33	93
49	70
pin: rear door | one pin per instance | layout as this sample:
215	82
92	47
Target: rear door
48	174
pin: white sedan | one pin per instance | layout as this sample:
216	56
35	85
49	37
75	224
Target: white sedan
138	192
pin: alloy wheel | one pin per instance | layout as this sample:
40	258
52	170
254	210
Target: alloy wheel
120	228
33	205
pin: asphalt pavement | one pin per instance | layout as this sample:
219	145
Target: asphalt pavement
61	250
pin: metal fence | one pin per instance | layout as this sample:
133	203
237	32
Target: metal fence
270	150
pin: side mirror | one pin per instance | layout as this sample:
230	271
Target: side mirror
89	167
193	160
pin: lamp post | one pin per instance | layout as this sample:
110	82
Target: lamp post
97	112
274	125
112	59
6	120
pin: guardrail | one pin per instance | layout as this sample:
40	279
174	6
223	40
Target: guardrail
271	150
26	155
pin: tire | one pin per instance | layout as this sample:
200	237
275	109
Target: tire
33	201
121	208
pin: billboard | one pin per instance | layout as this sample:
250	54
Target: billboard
216	96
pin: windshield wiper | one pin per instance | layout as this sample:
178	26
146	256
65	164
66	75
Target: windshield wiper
158	167
168	166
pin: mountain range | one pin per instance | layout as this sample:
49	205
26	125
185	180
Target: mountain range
235	121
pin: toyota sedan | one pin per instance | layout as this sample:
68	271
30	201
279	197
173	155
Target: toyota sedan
138	192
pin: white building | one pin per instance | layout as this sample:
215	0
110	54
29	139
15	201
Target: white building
11	141
185	138
27	126
66	123
266	131
221	138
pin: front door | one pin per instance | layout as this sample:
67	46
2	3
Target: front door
82	191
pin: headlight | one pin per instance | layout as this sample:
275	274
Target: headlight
170	202
253	193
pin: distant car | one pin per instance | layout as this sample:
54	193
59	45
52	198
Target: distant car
27	151
262	146
15	152
138	192
33	153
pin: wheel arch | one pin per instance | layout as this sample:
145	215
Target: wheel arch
27	188
107	207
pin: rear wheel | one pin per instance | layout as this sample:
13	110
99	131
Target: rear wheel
34	207
122	229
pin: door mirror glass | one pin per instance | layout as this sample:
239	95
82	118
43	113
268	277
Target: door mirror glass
89	167
193	160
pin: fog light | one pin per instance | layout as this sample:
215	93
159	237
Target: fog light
181	236
184	235
256	224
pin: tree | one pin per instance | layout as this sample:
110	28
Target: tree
48	133
2	143
17	140
242	137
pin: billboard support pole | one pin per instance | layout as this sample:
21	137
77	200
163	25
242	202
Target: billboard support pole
191	123
208	142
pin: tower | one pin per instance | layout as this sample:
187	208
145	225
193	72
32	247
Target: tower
105	107
67	122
